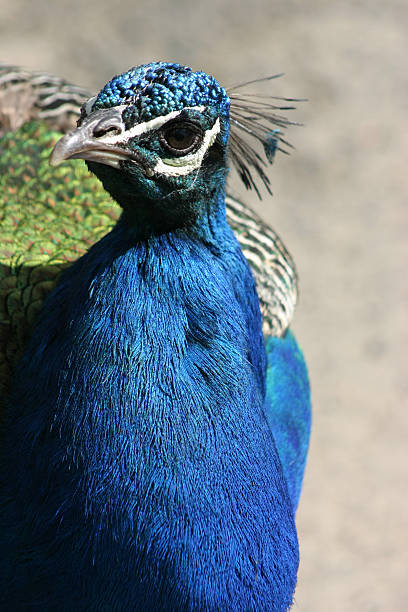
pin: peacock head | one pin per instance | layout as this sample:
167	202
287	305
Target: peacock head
156	136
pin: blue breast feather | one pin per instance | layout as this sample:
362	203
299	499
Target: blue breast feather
147	475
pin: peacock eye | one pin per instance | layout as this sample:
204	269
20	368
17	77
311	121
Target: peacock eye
180	139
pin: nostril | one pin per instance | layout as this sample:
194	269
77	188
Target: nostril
100	131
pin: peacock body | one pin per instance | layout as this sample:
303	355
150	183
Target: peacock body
154	442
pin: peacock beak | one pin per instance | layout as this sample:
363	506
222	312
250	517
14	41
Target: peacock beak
89	141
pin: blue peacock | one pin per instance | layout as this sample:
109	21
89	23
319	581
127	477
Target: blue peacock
157	423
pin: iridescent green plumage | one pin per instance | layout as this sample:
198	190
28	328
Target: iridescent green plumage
49	217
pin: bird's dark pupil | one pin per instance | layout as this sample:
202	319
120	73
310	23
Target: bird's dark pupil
180	138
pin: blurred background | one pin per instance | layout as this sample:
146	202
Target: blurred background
340	205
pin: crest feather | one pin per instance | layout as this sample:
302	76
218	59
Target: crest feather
257	116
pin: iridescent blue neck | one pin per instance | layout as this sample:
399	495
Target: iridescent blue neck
199	218
148	365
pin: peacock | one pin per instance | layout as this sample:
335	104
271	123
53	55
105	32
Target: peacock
156	411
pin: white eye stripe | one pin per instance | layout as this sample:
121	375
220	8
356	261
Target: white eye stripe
144	128
181	166
175	166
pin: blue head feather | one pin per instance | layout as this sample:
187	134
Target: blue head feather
158	88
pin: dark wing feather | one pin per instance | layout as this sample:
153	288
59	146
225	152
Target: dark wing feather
271	264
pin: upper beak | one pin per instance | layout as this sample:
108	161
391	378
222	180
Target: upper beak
88	141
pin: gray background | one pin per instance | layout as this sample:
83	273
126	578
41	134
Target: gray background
340	206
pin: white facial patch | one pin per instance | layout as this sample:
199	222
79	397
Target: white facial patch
145	127
181	166
175	166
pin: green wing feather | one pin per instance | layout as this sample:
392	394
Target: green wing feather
48	217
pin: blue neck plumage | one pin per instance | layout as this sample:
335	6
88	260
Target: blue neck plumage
177	217
195	202
147	373
165	324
